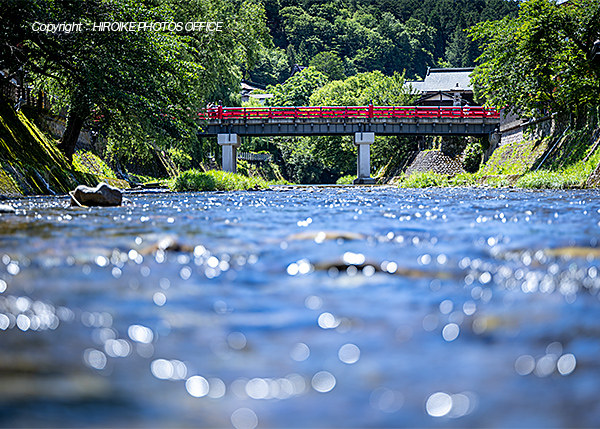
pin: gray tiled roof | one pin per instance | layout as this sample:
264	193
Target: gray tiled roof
416	85
446	80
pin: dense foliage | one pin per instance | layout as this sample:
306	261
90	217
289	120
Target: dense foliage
541	62
359	52
297	90
140	89
367	35
137	86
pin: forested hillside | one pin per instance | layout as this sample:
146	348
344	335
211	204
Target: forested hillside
354	36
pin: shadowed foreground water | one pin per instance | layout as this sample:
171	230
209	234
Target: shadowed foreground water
314	307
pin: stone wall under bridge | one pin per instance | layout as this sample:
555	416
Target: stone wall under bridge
435	161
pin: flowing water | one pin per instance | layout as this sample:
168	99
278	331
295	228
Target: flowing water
303	307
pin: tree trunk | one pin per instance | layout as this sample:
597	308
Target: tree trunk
69	139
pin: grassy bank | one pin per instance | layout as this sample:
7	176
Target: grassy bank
573	177
195	180
430	179
566	160
346	180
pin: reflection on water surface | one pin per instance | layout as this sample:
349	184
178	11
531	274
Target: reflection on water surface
314	307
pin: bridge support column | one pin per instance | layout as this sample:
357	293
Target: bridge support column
363	162
229	145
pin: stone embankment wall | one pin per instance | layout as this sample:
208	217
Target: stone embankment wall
514	135
515	129
56	125
436	161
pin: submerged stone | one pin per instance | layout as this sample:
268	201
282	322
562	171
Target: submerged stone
101	195
573	252
5	208
321	236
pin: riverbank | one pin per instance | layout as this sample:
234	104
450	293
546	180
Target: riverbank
30	163
563	160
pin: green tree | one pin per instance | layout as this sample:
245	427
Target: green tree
152	80
307	33
271	68
330	64
363	89
448	16
541	61
296	91
461	50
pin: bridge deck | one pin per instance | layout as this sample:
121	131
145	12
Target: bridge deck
344	120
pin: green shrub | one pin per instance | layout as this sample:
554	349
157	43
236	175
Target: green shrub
195	180
345	180
426	179
544	179
498	182
463	179
472	156
182	160
244	168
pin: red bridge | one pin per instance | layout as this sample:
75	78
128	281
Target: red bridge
347	112
363	122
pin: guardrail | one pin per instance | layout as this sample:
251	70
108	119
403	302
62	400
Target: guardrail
346	112
262	157
24	95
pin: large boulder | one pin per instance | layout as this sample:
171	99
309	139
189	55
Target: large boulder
4	208
101	195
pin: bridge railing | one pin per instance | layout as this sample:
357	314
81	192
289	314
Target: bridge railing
249	156
343	112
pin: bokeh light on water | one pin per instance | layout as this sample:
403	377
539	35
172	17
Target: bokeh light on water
314	307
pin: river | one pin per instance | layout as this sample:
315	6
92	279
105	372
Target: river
303	307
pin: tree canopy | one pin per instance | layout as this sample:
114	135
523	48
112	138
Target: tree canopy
386	35
365	88
296	91
541	61
146	82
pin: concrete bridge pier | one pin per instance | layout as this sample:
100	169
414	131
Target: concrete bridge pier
363	162
229	145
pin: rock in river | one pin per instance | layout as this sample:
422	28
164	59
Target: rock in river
4	208
101	195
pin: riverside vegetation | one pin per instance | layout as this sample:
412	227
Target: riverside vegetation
357	52
138	88
543	63
564	159
195	180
